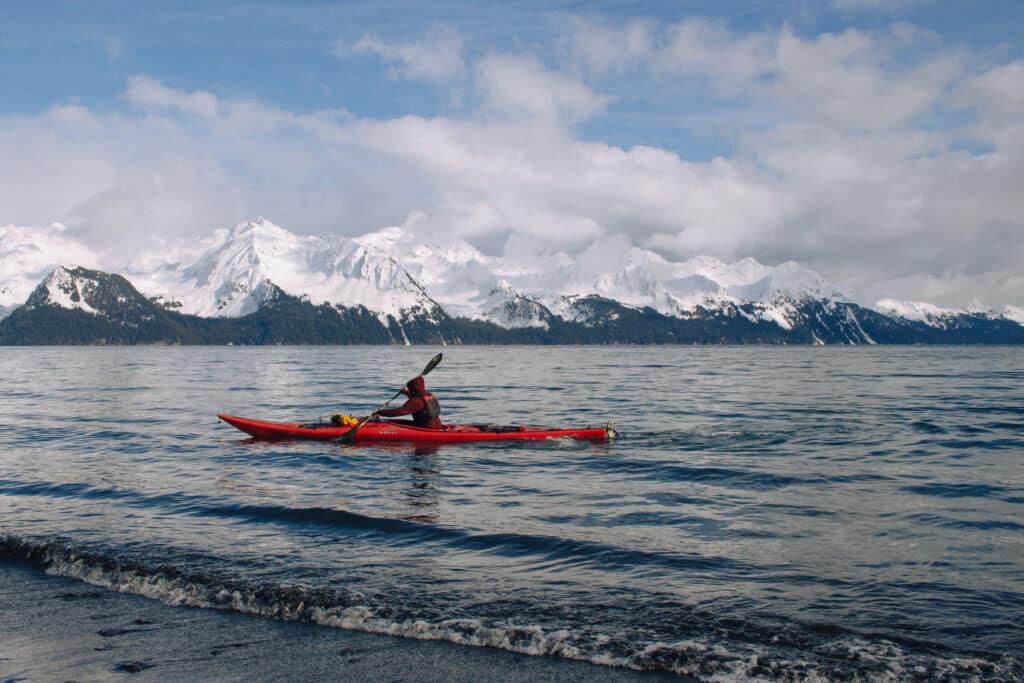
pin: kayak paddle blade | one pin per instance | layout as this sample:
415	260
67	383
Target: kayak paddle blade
434	362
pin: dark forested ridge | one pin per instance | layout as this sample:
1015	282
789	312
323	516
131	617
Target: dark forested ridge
124	316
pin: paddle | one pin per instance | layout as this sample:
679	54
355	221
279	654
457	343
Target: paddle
350	434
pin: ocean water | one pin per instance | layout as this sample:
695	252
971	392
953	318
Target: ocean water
786	513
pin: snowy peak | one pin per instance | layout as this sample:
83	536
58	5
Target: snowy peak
942	318
921	312
90	291
917	311
400	280
508	308
392	274
679	289
231	274
786	281
257	227
749	280
29	254
388	241
69	288
741	273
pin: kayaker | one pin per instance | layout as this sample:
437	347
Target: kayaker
422	405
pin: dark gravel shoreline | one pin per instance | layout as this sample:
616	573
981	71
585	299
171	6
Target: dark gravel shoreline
54	628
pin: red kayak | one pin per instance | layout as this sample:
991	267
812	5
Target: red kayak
399	431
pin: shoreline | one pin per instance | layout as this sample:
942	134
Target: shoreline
56	628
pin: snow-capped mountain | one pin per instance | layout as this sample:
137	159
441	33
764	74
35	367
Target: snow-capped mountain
942	318
508	308
393	274
27	255
389	286
231	274
75	305
75	289
918	311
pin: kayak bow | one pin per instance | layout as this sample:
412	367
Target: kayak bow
399	431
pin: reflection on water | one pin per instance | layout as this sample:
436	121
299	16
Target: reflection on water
421	495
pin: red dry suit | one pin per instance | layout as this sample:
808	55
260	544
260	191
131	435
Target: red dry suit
422	405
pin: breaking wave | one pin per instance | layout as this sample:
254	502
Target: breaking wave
782	655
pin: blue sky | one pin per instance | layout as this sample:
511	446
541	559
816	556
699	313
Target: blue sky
286	53
877	141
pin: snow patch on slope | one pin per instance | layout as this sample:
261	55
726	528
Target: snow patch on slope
917	311
1014	313
781	314
69	290
937	316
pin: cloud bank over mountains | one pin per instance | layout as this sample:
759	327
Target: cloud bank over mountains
888	159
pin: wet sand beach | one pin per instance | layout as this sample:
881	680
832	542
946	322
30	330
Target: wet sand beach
54	628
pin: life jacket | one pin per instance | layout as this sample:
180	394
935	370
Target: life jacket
429	413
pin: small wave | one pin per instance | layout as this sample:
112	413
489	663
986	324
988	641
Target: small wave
945	490
780	656
980	524
503	544
669	470
927	427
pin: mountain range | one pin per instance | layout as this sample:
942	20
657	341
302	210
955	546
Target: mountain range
257	283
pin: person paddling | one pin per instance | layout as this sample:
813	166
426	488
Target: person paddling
422	405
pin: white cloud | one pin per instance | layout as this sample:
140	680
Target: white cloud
845	80
709	50
999	92
436	56
602	48
122	181
520	87
236	117
837	176
954	289
72	116
849	78
998	98
148	93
